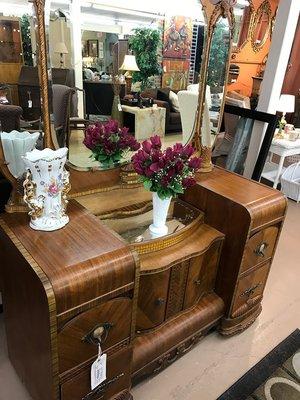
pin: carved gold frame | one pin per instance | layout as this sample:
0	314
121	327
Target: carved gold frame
238	49
221	10
265	7
94	181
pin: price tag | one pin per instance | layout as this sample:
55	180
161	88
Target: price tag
29	103
98	370
120	107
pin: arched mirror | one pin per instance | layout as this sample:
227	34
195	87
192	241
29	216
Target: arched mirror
243	13
98	72
261	26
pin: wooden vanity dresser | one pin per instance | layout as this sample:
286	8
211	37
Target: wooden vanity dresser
147	301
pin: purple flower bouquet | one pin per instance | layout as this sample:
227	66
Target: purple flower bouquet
108	142
168	172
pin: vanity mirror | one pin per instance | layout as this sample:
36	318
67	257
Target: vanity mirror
97	63
244	14
261	26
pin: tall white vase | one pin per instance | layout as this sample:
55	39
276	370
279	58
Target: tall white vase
46	187
160	211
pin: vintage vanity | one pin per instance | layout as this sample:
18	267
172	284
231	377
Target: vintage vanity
102	279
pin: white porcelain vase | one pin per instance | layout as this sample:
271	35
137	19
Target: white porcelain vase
160	211
46	187
15	145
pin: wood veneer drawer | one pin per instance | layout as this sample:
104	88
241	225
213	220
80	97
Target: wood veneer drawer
152	300
75	341
118	379
202	275
250	291
260	247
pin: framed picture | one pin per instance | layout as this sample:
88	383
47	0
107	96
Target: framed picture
175	74
93	48
178	36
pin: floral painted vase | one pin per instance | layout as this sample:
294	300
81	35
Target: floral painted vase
46	187
160	212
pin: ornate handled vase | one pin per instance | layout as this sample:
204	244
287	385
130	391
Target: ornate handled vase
46	187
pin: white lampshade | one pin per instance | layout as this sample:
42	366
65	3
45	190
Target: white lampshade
61	48
129	63
286	103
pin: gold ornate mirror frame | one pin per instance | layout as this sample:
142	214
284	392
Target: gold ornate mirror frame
221	10
83	182
238	49
265	7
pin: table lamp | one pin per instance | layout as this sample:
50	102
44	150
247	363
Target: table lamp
129	65
61	49
286	105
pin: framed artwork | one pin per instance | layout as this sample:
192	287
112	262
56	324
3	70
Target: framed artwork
93	48
178	35
175	74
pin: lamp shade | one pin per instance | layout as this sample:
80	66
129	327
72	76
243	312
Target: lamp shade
286	103
129	63
61	48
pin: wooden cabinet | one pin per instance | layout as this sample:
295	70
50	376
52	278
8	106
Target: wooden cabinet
149	301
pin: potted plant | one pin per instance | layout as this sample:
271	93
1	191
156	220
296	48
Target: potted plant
145	44
108	142
167	174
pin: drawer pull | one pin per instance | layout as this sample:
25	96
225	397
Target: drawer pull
249	292
101	388
197	282
98	334
261	248
160	301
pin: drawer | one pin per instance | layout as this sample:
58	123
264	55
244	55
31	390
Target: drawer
118	379
153	294
260	247
75	341
250	291
202	275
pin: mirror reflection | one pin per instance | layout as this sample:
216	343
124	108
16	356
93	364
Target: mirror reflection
138	67
262	25
20	107
243	11
216	81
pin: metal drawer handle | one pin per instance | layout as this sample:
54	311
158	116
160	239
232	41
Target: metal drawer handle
160	301
98	334
249	292
101	388
261	248
197	282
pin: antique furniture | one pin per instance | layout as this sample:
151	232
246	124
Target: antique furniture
147	121
10	117
261	26
244	14
100	278
282	148
62	104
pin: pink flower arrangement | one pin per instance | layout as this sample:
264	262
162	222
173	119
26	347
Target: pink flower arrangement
168	172
108	142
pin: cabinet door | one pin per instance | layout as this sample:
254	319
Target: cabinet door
202	275
152	299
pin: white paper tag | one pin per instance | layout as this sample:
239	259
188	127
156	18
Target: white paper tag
29	103
98	371
120	107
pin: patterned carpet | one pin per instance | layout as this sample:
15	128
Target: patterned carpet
275	377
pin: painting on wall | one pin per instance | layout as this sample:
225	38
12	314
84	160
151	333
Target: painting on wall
175	74
93	48
178	35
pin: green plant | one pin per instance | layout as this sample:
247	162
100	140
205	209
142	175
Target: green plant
145	43
26	40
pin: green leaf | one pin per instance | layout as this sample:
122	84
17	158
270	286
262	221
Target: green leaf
147	184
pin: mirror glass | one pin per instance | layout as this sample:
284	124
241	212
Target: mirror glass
243	12
216	81
261	26
19	81
138	66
